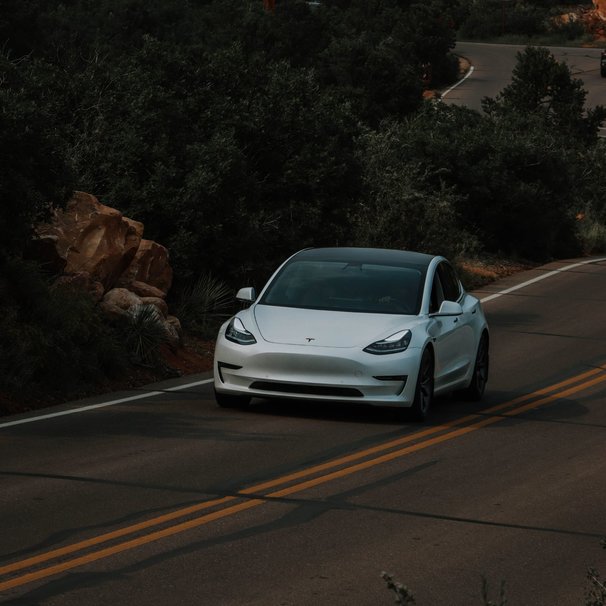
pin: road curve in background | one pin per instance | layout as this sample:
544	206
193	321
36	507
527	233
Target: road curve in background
493	64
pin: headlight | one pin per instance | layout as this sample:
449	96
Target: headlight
237	333
397	342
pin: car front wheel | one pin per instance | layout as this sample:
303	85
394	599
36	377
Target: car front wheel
476	388
424	388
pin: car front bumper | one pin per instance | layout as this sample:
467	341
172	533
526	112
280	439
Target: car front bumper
267	370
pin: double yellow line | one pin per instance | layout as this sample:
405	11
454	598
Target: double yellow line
41	566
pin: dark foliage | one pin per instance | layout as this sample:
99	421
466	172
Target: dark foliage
52	339
520	19
515	183
544	89
34	173
239	136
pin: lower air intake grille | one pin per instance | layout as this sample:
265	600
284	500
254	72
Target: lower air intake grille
313	390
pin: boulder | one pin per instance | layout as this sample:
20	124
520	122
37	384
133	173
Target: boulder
113	311
174	331
122	298
93	237
99	250
145	290
150	266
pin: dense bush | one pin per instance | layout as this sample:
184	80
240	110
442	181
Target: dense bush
52	338
228	131
239	136
519	20
34	172
510	187
404	204
236	149
543	89
486	19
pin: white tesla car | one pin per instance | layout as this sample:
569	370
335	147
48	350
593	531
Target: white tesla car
355	325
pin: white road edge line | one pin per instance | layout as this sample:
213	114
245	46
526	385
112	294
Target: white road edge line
457	83
539	278
149	394
72	411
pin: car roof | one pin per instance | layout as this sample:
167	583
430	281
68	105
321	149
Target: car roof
375	256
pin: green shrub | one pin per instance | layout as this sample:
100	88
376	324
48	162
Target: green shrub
52	338
35	174
490	19
144	333
568	30
203	304
592	234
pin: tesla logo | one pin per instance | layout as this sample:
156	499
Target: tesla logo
309	339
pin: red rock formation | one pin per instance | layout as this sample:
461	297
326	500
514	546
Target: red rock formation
94	247
97	249
93	238
96	239
600	8
150	266
122	298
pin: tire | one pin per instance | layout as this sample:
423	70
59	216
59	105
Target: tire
225	400
421	405
476	387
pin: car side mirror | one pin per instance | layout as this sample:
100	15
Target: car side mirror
450	308
246	295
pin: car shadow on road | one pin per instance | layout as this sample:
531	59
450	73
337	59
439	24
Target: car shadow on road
443	408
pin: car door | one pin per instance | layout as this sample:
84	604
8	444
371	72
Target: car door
453	335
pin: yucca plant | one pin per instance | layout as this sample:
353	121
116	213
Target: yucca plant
203	303
145	333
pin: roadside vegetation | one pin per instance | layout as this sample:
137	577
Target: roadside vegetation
594	595
527	22
239	136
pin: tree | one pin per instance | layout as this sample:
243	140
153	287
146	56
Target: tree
544	88
404	204
515	182
34	175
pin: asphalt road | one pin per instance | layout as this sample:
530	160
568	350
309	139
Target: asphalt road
493	64
168	500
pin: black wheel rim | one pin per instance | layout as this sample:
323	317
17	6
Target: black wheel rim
482	365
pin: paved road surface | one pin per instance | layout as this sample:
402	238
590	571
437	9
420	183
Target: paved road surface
493	64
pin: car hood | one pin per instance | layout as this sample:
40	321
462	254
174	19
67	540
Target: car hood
320	328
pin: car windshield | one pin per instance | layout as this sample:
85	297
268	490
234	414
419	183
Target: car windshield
343	286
